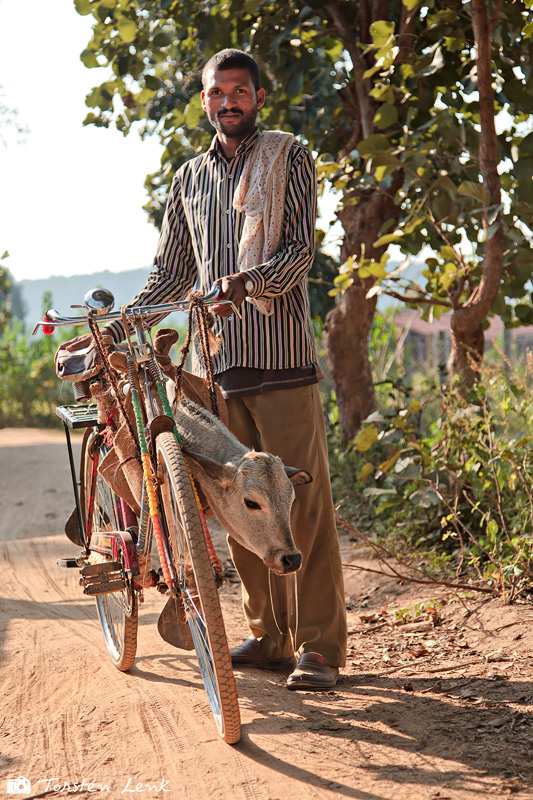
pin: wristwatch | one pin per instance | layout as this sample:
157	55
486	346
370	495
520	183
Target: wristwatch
249	286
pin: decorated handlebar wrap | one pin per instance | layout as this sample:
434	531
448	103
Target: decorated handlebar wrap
148	479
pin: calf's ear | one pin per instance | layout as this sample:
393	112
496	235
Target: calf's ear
298	477
221	474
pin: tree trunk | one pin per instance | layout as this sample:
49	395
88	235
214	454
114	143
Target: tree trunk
466	354
347	326
346	330
466	325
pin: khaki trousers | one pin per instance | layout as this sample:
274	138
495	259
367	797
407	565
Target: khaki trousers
290	424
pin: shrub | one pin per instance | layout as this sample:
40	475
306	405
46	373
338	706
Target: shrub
466	484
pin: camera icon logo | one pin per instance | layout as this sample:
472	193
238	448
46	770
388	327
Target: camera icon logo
19	786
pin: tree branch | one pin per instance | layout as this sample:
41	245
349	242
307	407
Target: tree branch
411	301
405	34
361	85
495	16
476	308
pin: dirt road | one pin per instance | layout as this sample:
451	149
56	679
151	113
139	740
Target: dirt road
439	707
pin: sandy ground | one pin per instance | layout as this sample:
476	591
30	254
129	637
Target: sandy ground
434	706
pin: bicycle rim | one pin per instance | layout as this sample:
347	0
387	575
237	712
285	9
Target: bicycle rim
117	611
197	586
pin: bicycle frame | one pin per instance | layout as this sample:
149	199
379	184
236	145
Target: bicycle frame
141	359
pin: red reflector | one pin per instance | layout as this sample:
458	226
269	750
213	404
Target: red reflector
48	329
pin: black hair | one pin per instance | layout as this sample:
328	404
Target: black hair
233	59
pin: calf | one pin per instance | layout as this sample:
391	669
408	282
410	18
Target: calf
251	493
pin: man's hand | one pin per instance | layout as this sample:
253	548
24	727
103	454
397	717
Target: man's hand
232	288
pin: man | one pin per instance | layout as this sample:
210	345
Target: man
266	366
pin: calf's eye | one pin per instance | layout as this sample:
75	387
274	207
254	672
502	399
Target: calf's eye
251	504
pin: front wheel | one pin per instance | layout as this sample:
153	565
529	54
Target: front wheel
196	584
117	611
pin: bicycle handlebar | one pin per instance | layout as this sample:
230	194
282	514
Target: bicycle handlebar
54	319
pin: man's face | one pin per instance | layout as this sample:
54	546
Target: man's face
231	101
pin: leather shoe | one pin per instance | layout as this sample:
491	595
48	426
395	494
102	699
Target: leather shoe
313	673
248	654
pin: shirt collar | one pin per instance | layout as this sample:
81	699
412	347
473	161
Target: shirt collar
245	146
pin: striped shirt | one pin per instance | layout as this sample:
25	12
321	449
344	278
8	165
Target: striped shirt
199	243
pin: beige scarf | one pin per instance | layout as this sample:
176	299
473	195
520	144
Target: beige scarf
260	195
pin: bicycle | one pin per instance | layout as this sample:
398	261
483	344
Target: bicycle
116	542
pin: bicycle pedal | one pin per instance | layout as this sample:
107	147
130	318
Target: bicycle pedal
102	578
69	563
103	587
101	568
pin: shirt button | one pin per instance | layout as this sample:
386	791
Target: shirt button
230	177
227	210
229	246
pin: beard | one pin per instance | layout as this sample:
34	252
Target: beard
234	128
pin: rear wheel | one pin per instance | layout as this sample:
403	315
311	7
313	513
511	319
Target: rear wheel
117	611
196	584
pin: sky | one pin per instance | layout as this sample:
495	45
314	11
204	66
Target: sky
71	197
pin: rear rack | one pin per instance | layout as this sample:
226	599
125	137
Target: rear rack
78	416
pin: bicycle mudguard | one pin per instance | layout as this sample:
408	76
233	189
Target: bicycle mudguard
173	626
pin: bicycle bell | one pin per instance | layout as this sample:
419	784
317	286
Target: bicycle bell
99	300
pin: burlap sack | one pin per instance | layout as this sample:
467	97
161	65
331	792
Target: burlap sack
114	474
130	466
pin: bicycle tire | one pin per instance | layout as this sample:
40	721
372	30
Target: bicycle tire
117	611
189	549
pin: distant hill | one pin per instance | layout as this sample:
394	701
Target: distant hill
124	285
71	291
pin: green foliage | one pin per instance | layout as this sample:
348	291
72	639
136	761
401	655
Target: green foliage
30	389
463	487
5	294
411	128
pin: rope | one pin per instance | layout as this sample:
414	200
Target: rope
294	582
113	381
204	323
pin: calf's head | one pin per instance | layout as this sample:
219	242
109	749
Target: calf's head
252	499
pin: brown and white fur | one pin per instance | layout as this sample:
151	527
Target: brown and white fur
251	493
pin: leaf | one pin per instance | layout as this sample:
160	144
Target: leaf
127	29
88	57
381	31
384	158
388	238
386	116
474	190
410	4
373	143
194	113
374	492
527	30
376	289
152	82
385	466
366	438
424	497
162	39
83	7
366	471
